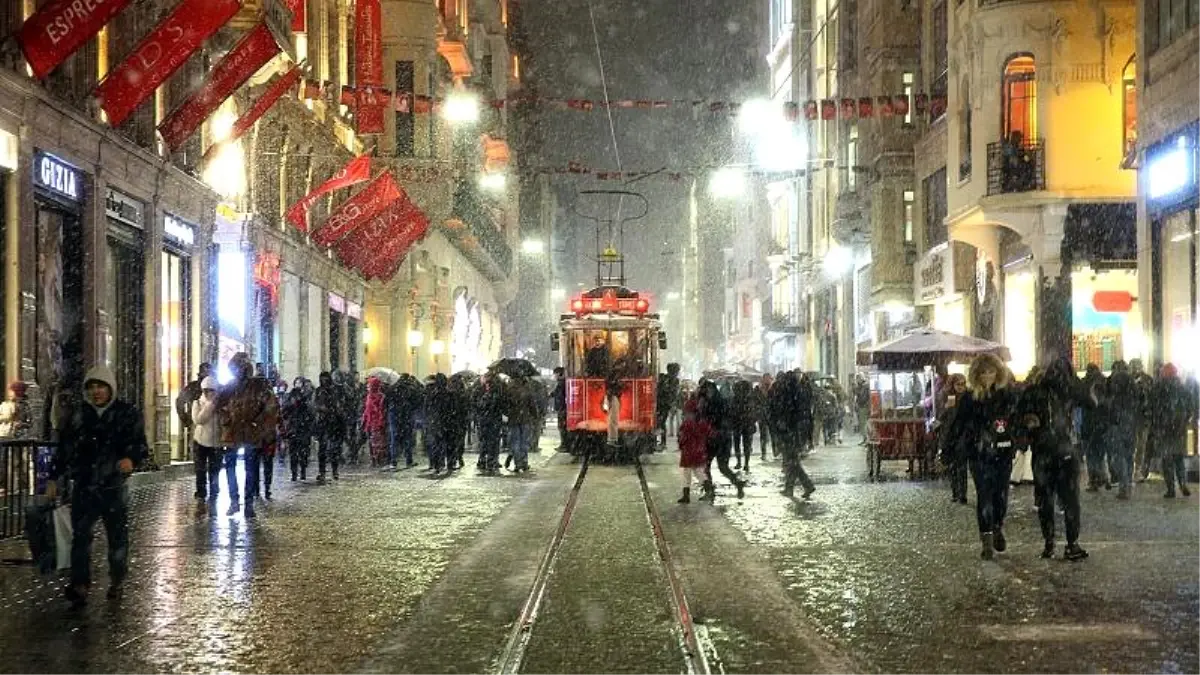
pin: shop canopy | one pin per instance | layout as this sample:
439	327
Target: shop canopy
928	347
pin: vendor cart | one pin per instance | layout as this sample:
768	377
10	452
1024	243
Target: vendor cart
901	377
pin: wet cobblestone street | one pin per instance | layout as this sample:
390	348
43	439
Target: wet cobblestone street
398	572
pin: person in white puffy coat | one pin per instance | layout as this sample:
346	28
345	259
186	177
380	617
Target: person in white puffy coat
206	445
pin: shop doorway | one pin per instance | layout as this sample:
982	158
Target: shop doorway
352	345
58	343
175	344
125	267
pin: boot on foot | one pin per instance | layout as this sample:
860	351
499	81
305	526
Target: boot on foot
998	540
1048	550
987	552
1074	552
686	498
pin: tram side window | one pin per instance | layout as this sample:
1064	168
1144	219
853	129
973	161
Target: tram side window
629	355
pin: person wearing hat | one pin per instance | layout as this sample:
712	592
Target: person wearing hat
100	442
206	444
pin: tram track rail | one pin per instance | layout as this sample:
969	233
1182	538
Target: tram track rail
698	653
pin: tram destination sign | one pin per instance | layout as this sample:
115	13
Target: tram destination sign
58	177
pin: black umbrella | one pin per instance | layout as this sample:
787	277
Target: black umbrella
514	368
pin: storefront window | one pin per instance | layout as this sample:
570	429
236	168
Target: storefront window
1105	317
126	302
174	311
1178	291
1020	320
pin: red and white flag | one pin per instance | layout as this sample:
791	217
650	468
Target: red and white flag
251	53
60	28
160	54
356	171
357	209
368	67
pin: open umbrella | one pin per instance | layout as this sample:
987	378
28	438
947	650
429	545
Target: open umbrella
386	375
514	368
928	347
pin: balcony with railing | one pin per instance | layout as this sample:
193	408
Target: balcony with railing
1017	167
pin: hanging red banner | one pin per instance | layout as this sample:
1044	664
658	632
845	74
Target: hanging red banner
60	28
262	105
368	67
411	229
251	53
368	239
160	54
299	15
381	192
356	171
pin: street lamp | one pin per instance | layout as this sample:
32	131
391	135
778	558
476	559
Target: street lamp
437	348
533	246
415	339
838	260
461	107
727	183
493	181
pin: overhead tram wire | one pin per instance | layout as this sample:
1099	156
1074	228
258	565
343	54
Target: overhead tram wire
612	129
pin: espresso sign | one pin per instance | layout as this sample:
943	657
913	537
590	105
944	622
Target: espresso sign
934	276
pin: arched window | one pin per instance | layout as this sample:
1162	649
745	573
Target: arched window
1019	97
964	131
1129	108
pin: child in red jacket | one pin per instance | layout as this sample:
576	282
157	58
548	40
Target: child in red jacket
693	439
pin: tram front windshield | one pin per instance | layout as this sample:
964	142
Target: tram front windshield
599	353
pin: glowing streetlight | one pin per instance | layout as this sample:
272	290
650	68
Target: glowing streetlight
225	171
727	183
533	246
415	338
757	113
838	260
673	295
557	293
493	182
461	107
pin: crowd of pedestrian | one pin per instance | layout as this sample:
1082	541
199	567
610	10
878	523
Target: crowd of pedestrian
1114	427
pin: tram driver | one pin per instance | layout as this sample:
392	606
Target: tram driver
596	361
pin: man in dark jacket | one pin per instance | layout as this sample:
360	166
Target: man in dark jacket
249	415
789	408
1095	431
1046	410
489	415
331	425
560	406
1144	385
666	397
1123	401
101	441
298	423
522	412
714	408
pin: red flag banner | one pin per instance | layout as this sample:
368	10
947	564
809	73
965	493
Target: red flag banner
373	198
368	69
847	108
410	230
356	171
262	105
358	247
60	28
828	109
160	54
900	105
299	15
251	53
810	110
866	107
920	103
885	106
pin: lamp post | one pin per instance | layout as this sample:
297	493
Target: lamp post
415	338
437	348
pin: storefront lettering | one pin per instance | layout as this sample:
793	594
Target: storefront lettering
179	231
337	303
58	177
123	208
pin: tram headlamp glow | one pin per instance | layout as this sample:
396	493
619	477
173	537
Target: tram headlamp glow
577	305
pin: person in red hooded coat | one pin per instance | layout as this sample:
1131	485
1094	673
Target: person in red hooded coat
374	422
693	442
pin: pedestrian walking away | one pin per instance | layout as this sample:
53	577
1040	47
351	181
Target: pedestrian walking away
249	416
331	425
984	425
101	441
1174	413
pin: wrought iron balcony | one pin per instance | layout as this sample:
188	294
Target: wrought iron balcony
1016	168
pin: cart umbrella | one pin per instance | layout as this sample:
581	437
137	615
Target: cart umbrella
928	347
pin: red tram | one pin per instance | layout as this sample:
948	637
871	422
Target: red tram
610	343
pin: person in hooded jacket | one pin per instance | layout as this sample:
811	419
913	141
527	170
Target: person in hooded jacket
331	425
374	422
744	421
460	416
1144	385
249	416
948	445
101	441
1175	411
984	424
1047	412
1123	402
298	424
522	413
439	407
694	434
206	444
